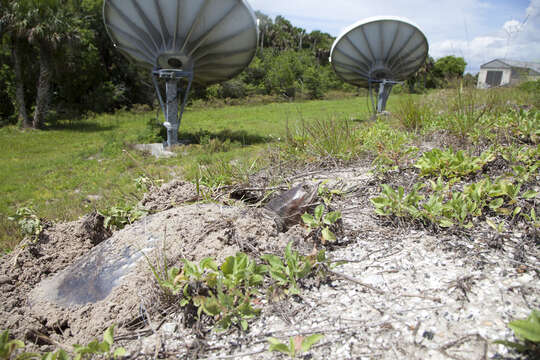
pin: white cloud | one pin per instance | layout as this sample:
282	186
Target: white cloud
478	30
515	39
513	27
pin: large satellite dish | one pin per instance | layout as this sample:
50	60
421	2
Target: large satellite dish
381	50
206	41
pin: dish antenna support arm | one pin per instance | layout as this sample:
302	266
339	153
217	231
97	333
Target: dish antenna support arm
170	105
385	88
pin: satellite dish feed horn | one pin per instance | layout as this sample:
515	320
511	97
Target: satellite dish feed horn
382	50
202	41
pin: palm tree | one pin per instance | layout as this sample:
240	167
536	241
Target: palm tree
11	24
52	25
47	25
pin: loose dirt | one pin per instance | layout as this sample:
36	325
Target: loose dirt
404	293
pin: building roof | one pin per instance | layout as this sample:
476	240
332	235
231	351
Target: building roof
508	63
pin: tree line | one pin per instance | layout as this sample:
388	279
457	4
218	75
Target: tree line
57	61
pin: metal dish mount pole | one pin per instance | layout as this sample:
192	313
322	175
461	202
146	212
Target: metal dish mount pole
170	106
385	88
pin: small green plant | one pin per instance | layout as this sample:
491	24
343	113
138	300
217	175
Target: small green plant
227	293
527	126
449	164
229	306
528	332
447	208
29	223
392	202
460	208
143	183
8	347
327	195
118	217
322	221
297	344
57	355
233	291
104	347
498	227
175	281
524	174
433	211
287	273
531	217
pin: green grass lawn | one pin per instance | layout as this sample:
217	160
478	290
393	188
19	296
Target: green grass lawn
56	170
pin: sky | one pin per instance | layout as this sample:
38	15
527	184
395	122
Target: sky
477	30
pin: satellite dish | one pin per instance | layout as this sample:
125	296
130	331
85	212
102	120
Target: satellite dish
206	41
383	49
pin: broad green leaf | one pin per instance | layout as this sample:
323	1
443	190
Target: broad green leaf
381	212
379	201
273	260
16	344
310	340
526	329
497	203
104	347
288	250
119	352
530	194
492	224
210	306
446	223
306	269
108	336
49	356
293	290
328	235
244	324
292	348
510	344
228	266
332	217
28	356
208	263
276	345
319	211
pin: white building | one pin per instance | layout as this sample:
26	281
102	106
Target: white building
501	72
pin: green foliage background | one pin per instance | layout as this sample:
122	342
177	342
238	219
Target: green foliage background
89	75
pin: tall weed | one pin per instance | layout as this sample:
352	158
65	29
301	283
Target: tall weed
323	138
467	109
412	114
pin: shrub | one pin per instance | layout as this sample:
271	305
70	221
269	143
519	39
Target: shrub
531	87
314	83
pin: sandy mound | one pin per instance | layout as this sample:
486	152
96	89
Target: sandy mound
58	246
169	195
113	281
